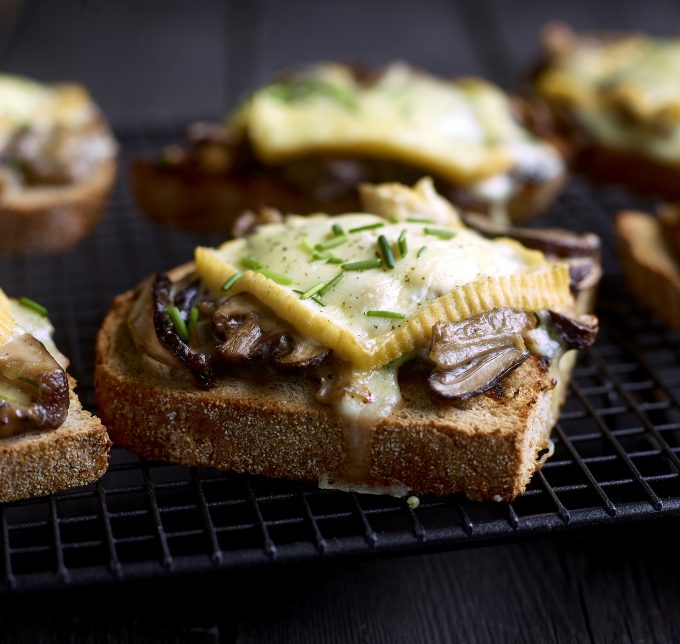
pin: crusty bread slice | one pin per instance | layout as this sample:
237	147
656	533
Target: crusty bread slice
652	272
185	198
42	462
270	423
50	219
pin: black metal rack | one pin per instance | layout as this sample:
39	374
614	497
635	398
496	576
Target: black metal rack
617	443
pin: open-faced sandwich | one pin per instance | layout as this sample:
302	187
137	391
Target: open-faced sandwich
616	98
47	441
57	165
304	143
649	250
393	350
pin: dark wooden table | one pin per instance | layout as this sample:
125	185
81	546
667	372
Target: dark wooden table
170	61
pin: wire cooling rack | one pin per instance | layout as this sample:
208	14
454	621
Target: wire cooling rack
617	442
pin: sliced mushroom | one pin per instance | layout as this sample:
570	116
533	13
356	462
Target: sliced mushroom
249	220
455	343
554	242
164	295
574	333
250	331
34	389
478	375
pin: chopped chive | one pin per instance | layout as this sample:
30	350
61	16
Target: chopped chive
314	298
386	251
421	250
441	233
329	258
193	319
28	380
284	280
330	284
334	259
420	220
306	245
359	229
362	265
331	243
231	281
312	291
401	242
337	230
251	263
385	314
28	303
178	323
394	219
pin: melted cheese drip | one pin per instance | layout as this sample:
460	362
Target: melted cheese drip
361	399
462	131
27	103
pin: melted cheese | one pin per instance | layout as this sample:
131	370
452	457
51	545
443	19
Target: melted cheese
452	279
462	131
27	103
624	93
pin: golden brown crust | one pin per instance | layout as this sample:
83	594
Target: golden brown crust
651	270
43	462
53	219
272	425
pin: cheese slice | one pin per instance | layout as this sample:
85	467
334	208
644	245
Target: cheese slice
448	273
27	103
462	131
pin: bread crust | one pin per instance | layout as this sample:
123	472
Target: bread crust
37	463
270	423
51	219
651	270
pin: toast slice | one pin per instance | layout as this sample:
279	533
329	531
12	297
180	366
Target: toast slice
48	443
304	143
614	105
49	219
271	424
649	264
57	165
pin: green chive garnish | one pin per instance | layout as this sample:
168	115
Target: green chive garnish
362	265
421	250
367	227
401	242
386	251
306	245
28	303
420	220
440	232
178	322
331	243
334	259
284	280
314	298
330	284
193	319
231	281
329	258
394	219
337	230
251	263
28	381
312	291
385	314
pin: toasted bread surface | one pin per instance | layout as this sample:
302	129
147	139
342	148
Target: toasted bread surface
50	219
651	270
267	422
36	463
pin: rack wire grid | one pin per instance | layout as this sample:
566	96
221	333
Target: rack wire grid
616	458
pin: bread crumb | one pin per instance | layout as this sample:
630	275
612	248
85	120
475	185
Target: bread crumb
413	502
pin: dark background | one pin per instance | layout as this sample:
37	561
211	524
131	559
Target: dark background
164	63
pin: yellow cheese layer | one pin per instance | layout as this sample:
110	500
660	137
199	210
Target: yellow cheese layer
27	103
441	277
462	131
